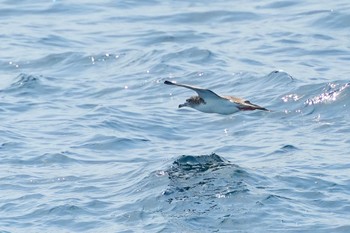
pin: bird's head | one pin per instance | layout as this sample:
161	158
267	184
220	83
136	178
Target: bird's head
192	102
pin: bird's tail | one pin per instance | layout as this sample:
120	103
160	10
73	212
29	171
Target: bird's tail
250	107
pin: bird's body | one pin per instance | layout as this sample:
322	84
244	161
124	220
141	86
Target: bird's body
209	102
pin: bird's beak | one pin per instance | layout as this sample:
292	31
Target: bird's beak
183	105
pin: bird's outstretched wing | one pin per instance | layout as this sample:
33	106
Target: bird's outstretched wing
245	105
203	93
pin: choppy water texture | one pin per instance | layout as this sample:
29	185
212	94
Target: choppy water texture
91	140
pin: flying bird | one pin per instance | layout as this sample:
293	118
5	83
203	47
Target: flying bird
209	102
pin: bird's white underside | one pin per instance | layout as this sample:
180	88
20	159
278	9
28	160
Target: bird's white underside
220	106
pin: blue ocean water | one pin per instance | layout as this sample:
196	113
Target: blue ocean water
91	140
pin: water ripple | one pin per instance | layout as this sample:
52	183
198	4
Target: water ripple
91	139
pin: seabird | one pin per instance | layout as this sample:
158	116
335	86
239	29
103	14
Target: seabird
209	102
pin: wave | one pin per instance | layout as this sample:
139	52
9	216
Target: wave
31	85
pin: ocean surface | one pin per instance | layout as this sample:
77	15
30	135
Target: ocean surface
91	140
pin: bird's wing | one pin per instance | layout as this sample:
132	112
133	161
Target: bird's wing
245	104
203	93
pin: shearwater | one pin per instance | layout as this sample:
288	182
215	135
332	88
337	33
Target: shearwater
209	102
